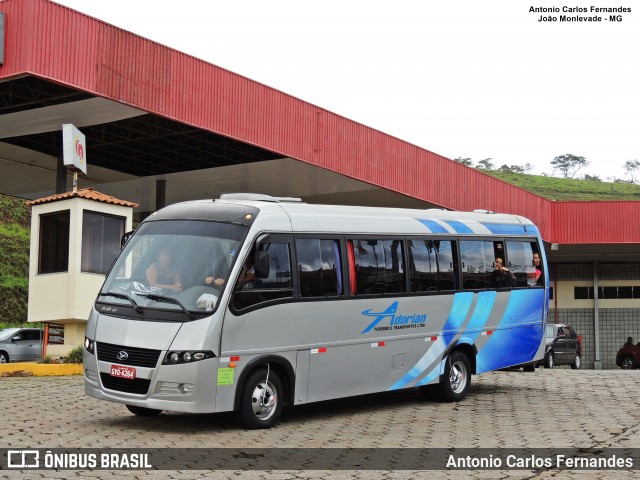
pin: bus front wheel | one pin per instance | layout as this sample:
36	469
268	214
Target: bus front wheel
456	379
262	397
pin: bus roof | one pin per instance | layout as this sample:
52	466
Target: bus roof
351	219
291	214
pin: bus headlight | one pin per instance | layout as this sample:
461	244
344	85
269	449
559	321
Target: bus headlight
175	358
88	345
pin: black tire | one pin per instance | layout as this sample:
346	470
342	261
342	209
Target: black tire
577	362
143	411
627	363
529	368
549	360
4	357
456	380
260	407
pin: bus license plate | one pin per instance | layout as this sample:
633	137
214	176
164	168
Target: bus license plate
121	371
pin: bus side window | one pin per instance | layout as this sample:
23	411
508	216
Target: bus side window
319	267
521	263
279	275
431	265
251	290
379	266
477	259
517	262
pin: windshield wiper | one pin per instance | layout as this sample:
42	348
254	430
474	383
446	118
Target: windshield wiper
124	296
163	298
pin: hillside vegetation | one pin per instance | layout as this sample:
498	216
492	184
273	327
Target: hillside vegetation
15	221
15	224
569	189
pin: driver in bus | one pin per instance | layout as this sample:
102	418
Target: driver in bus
163	274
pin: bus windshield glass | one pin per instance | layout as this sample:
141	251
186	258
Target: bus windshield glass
175	265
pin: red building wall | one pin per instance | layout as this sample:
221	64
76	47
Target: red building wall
57	43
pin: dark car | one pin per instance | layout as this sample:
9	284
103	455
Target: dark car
563	346
628	356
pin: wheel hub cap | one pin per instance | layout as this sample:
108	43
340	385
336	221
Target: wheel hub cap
264	401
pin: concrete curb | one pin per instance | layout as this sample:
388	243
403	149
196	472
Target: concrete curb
39	369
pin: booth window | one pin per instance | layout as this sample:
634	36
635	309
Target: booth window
101	236
54	242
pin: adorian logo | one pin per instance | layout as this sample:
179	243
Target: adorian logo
396	322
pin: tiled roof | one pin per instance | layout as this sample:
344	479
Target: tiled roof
88	193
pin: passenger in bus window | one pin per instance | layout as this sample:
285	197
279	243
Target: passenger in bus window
218	267
247	274
163	274
502	277
538	267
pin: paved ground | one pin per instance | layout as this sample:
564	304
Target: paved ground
552	409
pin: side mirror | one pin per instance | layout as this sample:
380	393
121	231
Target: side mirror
261	265
125	238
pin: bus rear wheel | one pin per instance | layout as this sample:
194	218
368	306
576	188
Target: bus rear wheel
456	379
262	396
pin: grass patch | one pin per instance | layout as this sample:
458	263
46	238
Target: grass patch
568	189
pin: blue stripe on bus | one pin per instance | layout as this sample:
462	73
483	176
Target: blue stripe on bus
435	227
459	227
504	229
532	229
459	310
520	333
481	312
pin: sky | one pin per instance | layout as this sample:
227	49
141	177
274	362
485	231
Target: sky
462	78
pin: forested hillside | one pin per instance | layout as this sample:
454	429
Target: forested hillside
15	222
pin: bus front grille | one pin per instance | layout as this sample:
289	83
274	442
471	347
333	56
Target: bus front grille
137	357
137	385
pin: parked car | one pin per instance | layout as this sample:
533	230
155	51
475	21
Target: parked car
24	344
628	357
20	344
563	346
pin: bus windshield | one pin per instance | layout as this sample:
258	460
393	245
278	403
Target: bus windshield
174	265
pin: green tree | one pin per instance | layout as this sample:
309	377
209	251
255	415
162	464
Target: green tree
486	164
512	168
464	161
593	178
632	167
568	164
